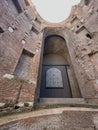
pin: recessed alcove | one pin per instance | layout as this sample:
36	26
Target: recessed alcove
34	30
57	77
74	21
17	5
87	2
38	21
12	7
27	2
23	67
1	30
83	33
88	36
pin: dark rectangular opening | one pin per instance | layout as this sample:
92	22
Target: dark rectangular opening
1	30
27	2
22	69
28	53
38	21
80	29
34	30
17	5
87	2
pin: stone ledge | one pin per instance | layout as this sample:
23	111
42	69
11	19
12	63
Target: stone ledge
2	105
23	104
53	101
59	113
8	76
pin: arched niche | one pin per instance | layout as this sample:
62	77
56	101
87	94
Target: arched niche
56	57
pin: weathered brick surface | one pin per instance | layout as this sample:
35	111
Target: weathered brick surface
27	93
11	47
16	90
27	30
9	90
78	120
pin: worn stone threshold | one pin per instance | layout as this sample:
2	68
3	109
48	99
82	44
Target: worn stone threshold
66	101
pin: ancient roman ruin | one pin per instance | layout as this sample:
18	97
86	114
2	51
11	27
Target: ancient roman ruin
45	64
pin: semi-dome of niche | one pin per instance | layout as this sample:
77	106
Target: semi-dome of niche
54	11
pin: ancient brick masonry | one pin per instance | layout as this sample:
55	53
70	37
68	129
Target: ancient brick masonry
84	47
17	40
22	35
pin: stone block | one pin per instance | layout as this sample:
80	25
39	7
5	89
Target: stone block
8	76
78	119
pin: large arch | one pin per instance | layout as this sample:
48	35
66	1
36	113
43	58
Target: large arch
55	55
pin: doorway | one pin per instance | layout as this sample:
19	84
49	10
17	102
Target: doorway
54	76
54	83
